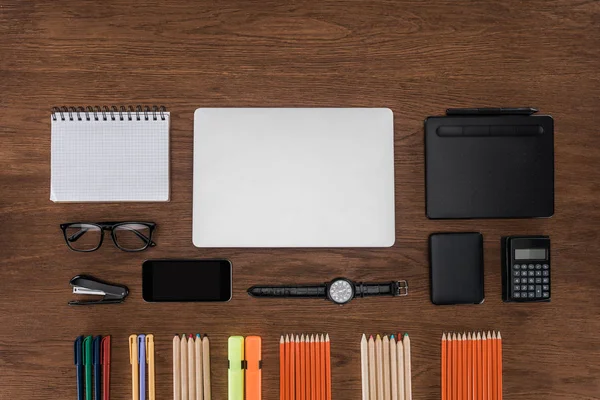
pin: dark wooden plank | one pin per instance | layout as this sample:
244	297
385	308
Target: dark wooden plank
417	58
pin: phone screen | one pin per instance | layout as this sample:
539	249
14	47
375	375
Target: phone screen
186	280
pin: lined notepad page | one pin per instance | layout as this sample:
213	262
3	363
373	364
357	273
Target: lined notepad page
110	161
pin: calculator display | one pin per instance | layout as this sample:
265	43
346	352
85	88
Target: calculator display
530	254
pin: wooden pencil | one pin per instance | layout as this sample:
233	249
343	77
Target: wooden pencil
308	388
327	367
176	368
379	366
464	373
206	368
282	368
313	369
401	366
480	383
499	362
302	368
458	355
484	363
488	366
387	393
191	368
455	367
469	366
372	369
297	367
292	379
319	368
394	367
199	379
444	367
407	368
494	367
450	361
184	369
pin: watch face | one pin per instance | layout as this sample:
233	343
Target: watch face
341	291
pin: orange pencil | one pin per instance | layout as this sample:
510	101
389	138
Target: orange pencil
313	369
302	369
455	366
292	367
465	370
450	379
469	367
296	376
486	378
307	368
328	367
288	358
499	362
478	368
320	367
494	367
282	368
489	365
444	369
459	365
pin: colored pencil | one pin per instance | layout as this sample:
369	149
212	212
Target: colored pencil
401	366
307	371
394	367
313	368
327	368
469	367
184	369
372	369
379	366
387	394
302	368
407	368
458	355
444	367
499	363
281	368
191	368
297	366
176	368
206	368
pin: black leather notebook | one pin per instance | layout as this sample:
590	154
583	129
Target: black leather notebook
489	166
456	261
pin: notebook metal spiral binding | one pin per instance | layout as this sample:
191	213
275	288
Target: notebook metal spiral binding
104	113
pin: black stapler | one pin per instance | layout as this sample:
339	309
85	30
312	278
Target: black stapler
87	285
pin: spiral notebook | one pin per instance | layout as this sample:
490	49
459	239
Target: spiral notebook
102	154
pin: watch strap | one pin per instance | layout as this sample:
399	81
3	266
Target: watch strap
297	291
393	288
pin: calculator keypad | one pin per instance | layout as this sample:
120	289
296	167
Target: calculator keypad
530	282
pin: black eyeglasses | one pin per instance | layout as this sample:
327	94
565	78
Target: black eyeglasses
127	236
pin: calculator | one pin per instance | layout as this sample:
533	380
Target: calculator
526	268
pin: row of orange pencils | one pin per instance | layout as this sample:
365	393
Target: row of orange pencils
472	366
305	367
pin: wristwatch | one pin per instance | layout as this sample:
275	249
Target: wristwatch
339	290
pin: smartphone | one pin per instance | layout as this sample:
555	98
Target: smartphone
186	280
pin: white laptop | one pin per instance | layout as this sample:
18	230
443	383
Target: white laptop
293	177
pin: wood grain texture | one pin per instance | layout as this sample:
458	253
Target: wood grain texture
417	58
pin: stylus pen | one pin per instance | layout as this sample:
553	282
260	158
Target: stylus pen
87	363
142	363
78	355
105	360
97	367
492	111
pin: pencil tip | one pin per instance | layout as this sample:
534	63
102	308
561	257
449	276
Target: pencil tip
498	336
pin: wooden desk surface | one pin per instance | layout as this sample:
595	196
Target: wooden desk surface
418	58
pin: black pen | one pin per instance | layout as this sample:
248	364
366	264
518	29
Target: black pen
492	111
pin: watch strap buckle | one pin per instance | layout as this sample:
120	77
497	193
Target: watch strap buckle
401	288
